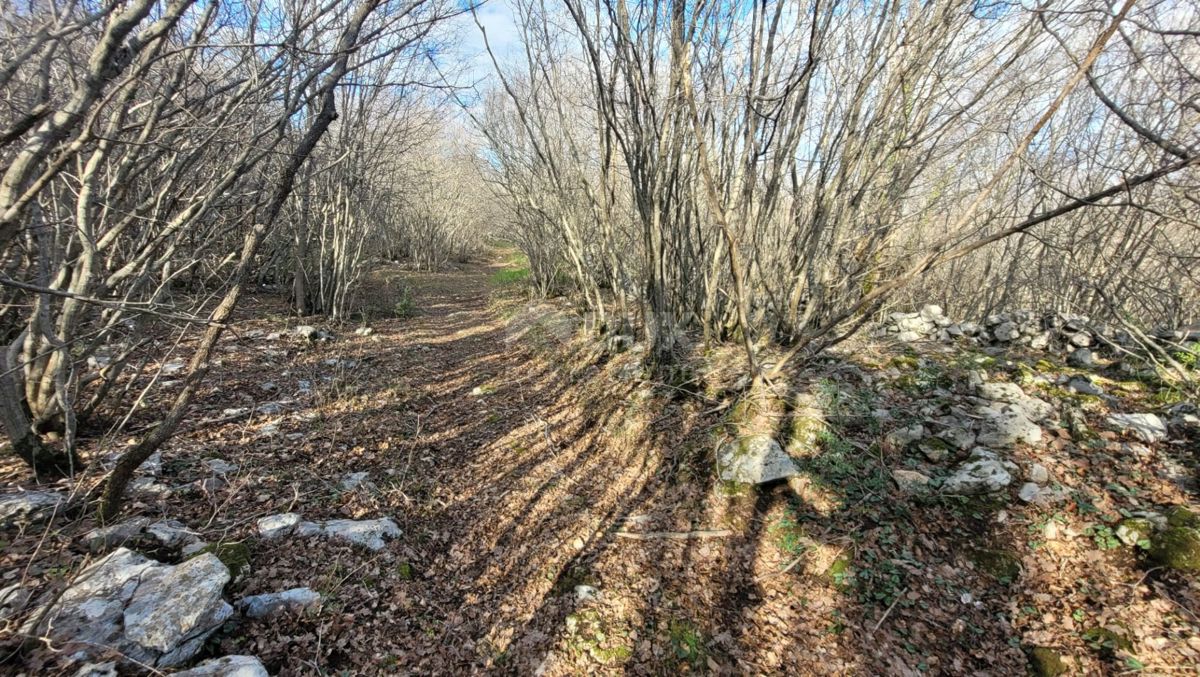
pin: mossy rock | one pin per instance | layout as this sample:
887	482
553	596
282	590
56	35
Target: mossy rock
1046	662
1003	566
840	573
1177	548
1179	516
905	362
235	556
934	449
1135	531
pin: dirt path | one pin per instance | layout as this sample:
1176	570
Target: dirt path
510	463
508	471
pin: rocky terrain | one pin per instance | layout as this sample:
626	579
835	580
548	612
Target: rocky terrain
476	487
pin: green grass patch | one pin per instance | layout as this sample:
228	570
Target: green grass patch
510	276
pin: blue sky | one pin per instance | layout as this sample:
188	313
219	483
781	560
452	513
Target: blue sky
497	17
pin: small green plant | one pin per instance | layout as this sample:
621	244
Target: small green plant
1104	537
789	535
687	641
1189	355
405	306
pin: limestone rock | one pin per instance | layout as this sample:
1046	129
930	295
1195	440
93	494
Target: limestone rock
153	613
1039	474
1029	492
1148	428
357	480
902	437
274	526
29	507
1135	531
755	459
1081	358
106	669
910	481
140	530
1007	426
227	666
1006	331
219	466
272	603
982	473
1083	386
371	534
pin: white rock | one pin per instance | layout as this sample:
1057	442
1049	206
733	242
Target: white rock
1038	473
586	593
1006	427
1148	428
149	612
370	534
106	669
176	611
219	466
1081	340
908	336
755	459
1006	331
910	481
355	480
1029	492
1009	393
930	311
1083	385
902	437
29	507
982	473
272	603
274	526
166	533
1082	358
227	666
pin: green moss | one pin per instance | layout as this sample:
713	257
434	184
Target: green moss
905	362
1177	548
1044	365
235	556
840	573
1046	662
934	449
405	571
1003	566
1179	516
1135	531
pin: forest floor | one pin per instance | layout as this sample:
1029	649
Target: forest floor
560	516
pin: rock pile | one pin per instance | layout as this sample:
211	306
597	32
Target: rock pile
1047	331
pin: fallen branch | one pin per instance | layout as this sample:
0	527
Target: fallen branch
673	535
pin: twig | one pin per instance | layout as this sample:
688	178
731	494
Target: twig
674	535
889	610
